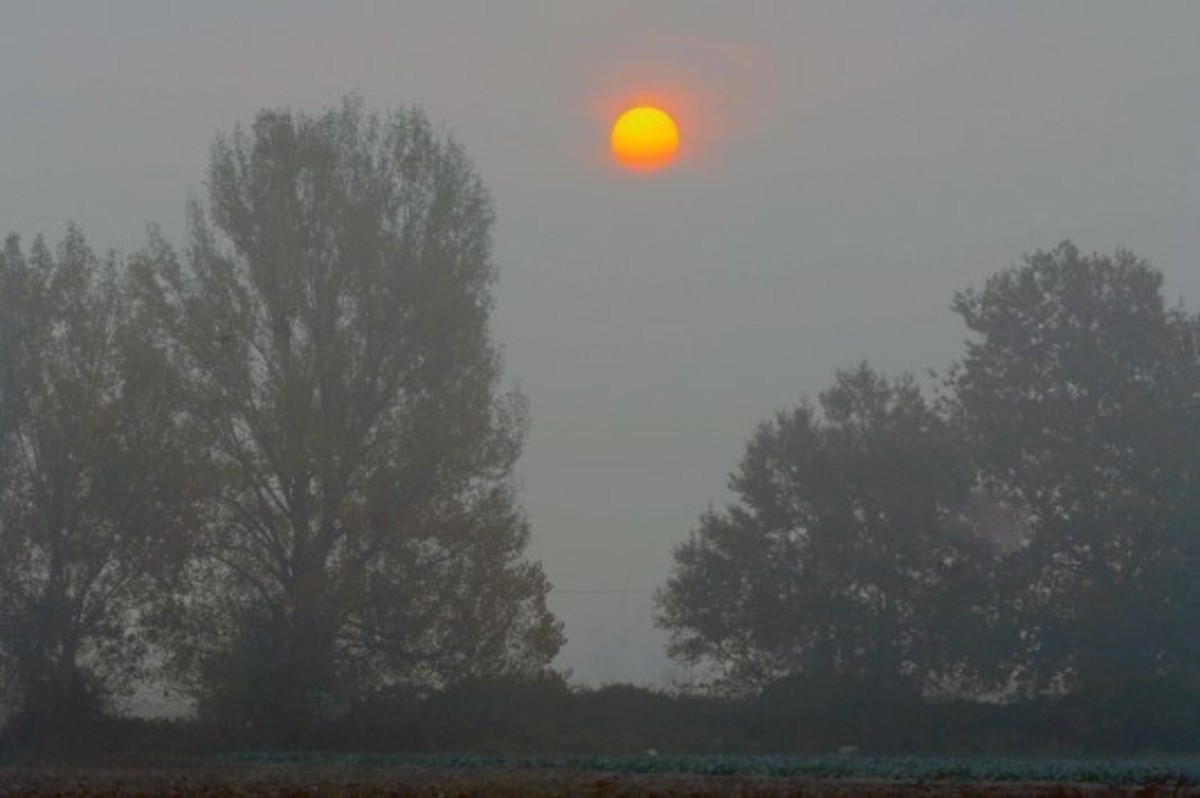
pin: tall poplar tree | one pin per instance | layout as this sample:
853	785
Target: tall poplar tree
330	319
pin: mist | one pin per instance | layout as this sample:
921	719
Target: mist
850	176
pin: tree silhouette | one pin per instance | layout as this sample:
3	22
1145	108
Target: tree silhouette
330	322
95	479
1075	394
839	541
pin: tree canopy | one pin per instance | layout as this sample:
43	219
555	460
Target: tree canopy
1075	399
840	535
95	483
330	324
1037	530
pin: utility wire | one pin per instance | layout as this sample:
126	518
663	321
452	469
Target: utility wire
602	592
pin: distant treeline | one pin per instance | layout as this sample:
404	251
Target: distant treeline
545	716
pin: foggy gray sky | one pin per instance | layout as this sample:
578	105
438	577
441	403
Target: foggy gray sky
846	167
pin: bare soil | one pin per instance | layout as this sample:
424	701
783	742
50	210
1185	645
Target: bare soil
341	780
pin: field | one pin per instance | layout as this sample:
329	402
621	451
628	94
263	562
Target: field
290	773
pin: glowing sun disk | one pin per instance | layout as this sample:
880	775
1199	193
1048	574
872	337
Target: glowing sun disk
645	138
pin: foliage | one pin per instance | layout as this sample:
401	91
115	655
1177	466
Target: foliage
94	485
1075	397
494	714
829	711
533	715
841	540
542	720
330	324
1034	533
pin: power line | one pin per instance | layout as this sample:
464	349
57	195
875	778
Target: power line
604	592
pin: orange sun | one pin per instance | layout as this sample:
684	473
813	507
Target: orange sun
645	138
